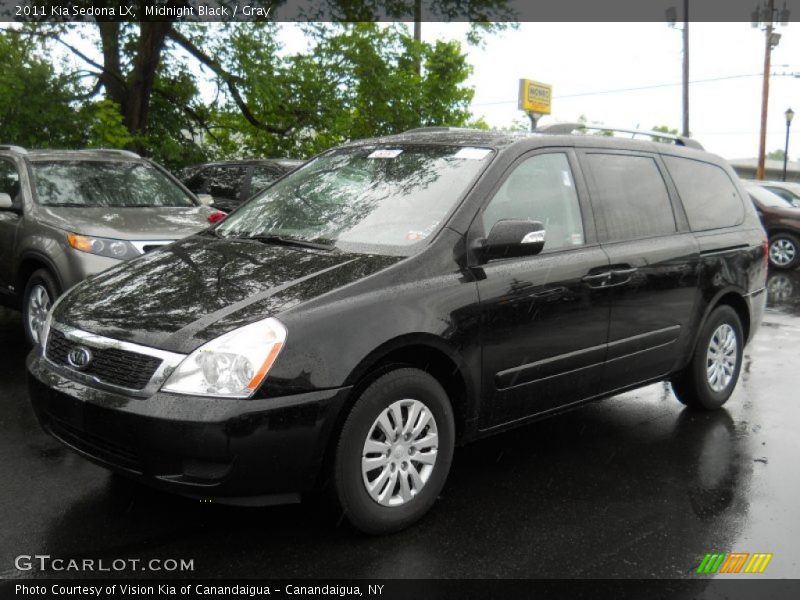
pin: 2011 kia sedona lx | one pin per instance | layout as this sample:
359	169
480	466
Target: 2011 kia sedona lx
395	297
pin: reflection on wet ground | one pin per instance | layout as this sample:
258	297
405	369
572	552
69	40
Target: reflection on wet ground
633	486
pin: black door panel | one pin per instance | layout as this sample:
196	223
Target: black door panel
544	335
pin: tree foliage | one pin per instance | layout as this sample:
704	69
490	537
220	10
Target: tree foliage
358	79
38	104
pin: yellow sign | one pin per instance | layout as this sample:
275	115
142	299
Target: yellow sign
534	97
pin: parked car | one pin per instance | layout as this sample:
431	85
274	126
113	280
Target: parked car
788	190
781	219
232	182
395	297
65	215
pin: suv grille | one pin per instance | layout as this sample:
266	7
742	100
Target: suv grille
109	365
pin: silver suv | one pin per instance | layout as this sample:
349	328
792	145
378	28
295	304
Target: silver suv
68	214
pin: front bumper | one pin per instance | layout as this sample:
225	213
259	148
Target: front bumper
235	451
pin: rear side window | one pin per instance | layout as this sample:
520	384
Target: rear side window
707	193
630	197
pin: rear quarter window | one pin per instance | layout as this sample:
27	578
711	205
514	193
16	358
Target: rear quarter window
629	197
707	192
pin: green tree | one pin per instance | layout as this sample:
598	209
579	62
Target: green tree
38	105
132	53
776	155
357	80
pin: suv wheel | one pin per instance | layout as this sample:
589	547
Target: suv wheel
394	451
40	293
709	379
784	251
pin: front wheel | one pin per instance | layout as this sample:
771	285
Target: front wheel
784	251
709	379
394	451
40	293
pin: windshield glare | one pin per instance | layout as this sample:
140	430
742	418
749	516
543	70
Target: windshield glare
371	199
105	183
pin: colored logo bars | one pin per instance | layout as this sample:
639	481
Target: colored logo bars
734	562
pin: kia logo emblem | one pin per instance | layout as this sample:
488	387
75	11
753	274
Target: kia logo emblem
79	357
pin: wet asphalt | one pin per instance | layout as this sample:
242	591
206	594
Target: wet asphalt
631	486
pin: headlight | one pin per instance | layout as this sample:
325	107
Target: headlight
232	365
119	249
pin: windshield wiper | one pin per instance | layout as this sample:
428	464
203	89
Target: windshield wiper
287	241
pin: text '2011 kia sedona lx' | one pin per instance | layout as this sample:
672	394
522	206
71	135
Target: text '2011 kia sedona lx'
396	297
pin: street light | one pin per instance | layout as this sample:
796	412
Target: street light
767	16
789	116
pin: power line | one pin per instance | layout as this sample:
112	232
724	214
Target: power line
644	87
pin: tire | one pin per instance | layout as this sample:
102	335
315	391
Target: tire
41	291
696	386
414	486
784	251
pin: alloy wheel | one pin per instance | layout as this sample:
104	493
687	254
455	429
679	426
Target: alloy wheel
782	252
721	357
38	306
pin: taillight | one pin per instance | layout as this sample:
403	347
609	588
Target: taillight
216	217
765	257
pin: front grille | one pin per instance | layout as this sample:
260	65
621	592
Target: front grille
92	445
109	365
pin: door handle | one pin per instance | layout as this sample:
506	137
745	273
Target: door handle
624	272
598	280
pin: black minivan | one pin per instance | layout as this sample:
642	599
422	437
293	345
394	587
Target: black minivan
395	297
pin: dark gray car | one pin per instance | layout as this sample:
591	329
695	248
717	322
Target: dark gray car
66	215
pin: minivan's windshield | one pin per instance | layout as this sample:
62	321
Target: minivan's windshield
374	199
105	183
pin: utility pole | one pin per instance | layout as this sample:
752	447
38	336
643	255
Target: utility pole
767	17
418	29
672	20
685	132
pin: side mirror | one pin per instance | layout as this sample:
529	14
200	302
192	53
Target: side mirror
510	238
205	199
5	201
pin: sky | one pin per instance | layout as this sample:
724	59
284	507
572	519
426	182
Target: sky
581	59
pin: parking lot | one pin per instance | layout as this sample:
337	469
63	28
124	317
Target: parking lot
633	486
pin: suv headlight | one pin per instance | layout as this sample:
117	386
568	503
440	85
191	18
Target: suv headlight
119	249
232	365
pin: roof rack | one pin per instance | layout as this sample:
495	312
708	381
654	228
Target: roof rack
127	153
438	128
568	128
17	149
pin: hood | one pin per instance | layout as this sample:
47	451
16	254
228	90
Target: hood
167	298
792	214
134	223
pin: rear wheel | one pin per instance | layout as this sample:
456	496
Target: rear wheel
784	251
709	379
394	451
40	293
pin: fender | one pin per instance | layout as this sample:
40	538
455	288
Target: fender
367	363
39	257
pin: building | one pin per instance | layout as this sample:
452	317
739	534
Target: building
773	169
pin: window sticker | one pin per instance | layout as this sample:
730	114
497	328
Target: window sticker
472	153
416	235
386	153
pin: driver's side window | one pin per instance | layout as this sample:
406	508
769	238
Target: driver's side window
9	180
541	188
